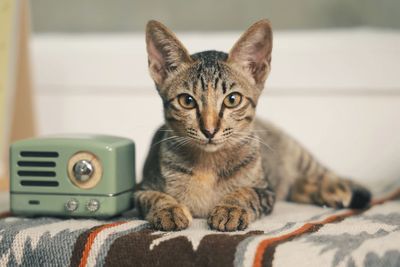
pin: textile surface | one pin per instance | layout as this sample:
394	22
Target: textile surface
293	235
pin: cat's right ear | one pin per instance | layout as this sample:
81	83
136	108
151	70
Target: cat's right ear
165	52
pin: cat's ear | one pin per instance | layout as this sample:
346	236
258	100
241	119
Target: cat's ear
252	52
165	51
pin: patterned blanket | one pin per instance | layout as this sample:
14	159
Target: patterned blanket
294	235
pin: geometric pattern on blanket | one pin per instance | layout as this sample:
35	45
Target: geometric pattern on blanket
293	235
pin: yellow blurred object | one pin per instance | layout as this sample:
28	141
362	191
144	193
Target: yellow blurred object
7	76
4	184
16	111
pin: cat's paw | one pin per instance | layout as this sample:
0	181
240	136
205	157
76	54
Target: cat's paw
228	218
171	218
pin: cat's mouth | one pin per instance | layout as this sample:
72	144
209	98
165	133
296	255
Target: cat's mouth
211	142
210	145
207	144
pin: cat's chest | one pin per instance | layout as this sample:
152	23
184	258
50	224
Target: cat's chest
200	192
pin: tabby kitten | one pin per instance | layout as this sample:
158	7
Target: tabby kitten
212	158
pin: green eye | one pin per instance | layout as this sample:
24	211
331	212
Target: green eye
233	100
186	101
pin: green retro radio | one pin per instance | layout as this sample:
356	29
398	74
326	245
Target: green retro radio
74	175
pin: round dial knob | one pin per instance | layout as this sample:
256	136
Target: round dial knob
83	170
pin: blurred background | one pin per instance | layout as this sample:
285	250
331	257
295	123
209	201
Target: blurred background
84	16
334	85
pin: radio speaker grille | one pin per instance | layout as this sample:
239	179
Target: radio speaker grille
35	165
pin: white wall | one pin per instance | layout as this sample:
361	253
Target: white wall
338	92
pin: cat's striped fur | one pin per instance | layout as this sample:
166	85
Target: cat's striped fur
215	160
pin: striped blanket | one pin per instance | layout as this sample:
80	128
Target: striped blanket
294	235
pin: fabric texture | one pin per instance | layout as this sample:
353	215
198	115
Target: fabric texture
293	235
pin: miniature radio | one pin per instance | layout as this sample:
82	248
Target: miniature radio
74	175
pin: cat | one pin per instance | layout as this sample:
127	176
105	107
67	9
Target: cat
213	158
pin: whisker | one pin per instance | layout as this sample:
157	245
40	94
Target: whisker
261	142
254	130
183	142
165	139
256	138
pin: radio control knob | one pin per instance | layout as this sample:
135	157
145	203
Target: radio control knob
72	205
83	170
93	205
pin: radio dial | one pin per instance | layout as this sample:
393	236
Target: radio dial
83	170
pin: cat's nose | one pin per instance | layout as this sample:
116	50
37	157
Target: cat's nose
209	132
209	122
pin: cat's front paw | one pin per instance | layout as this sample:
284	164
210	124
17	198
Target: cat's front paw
171	218
228	218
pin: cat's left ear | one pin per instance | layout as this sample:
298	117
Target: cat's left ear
252	52
165	52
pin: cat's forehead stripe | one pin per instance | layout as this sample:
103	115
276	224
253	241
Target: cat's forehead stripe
223	87
216	82
203	83
208	73
194	86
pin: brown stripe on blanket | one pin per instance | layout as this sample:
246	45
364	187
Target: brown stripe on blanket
219	250
134	250
266	248
90	241
80	246
83	244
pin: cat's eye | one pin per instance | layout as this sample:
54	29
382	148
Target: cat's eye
186	101
233	100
